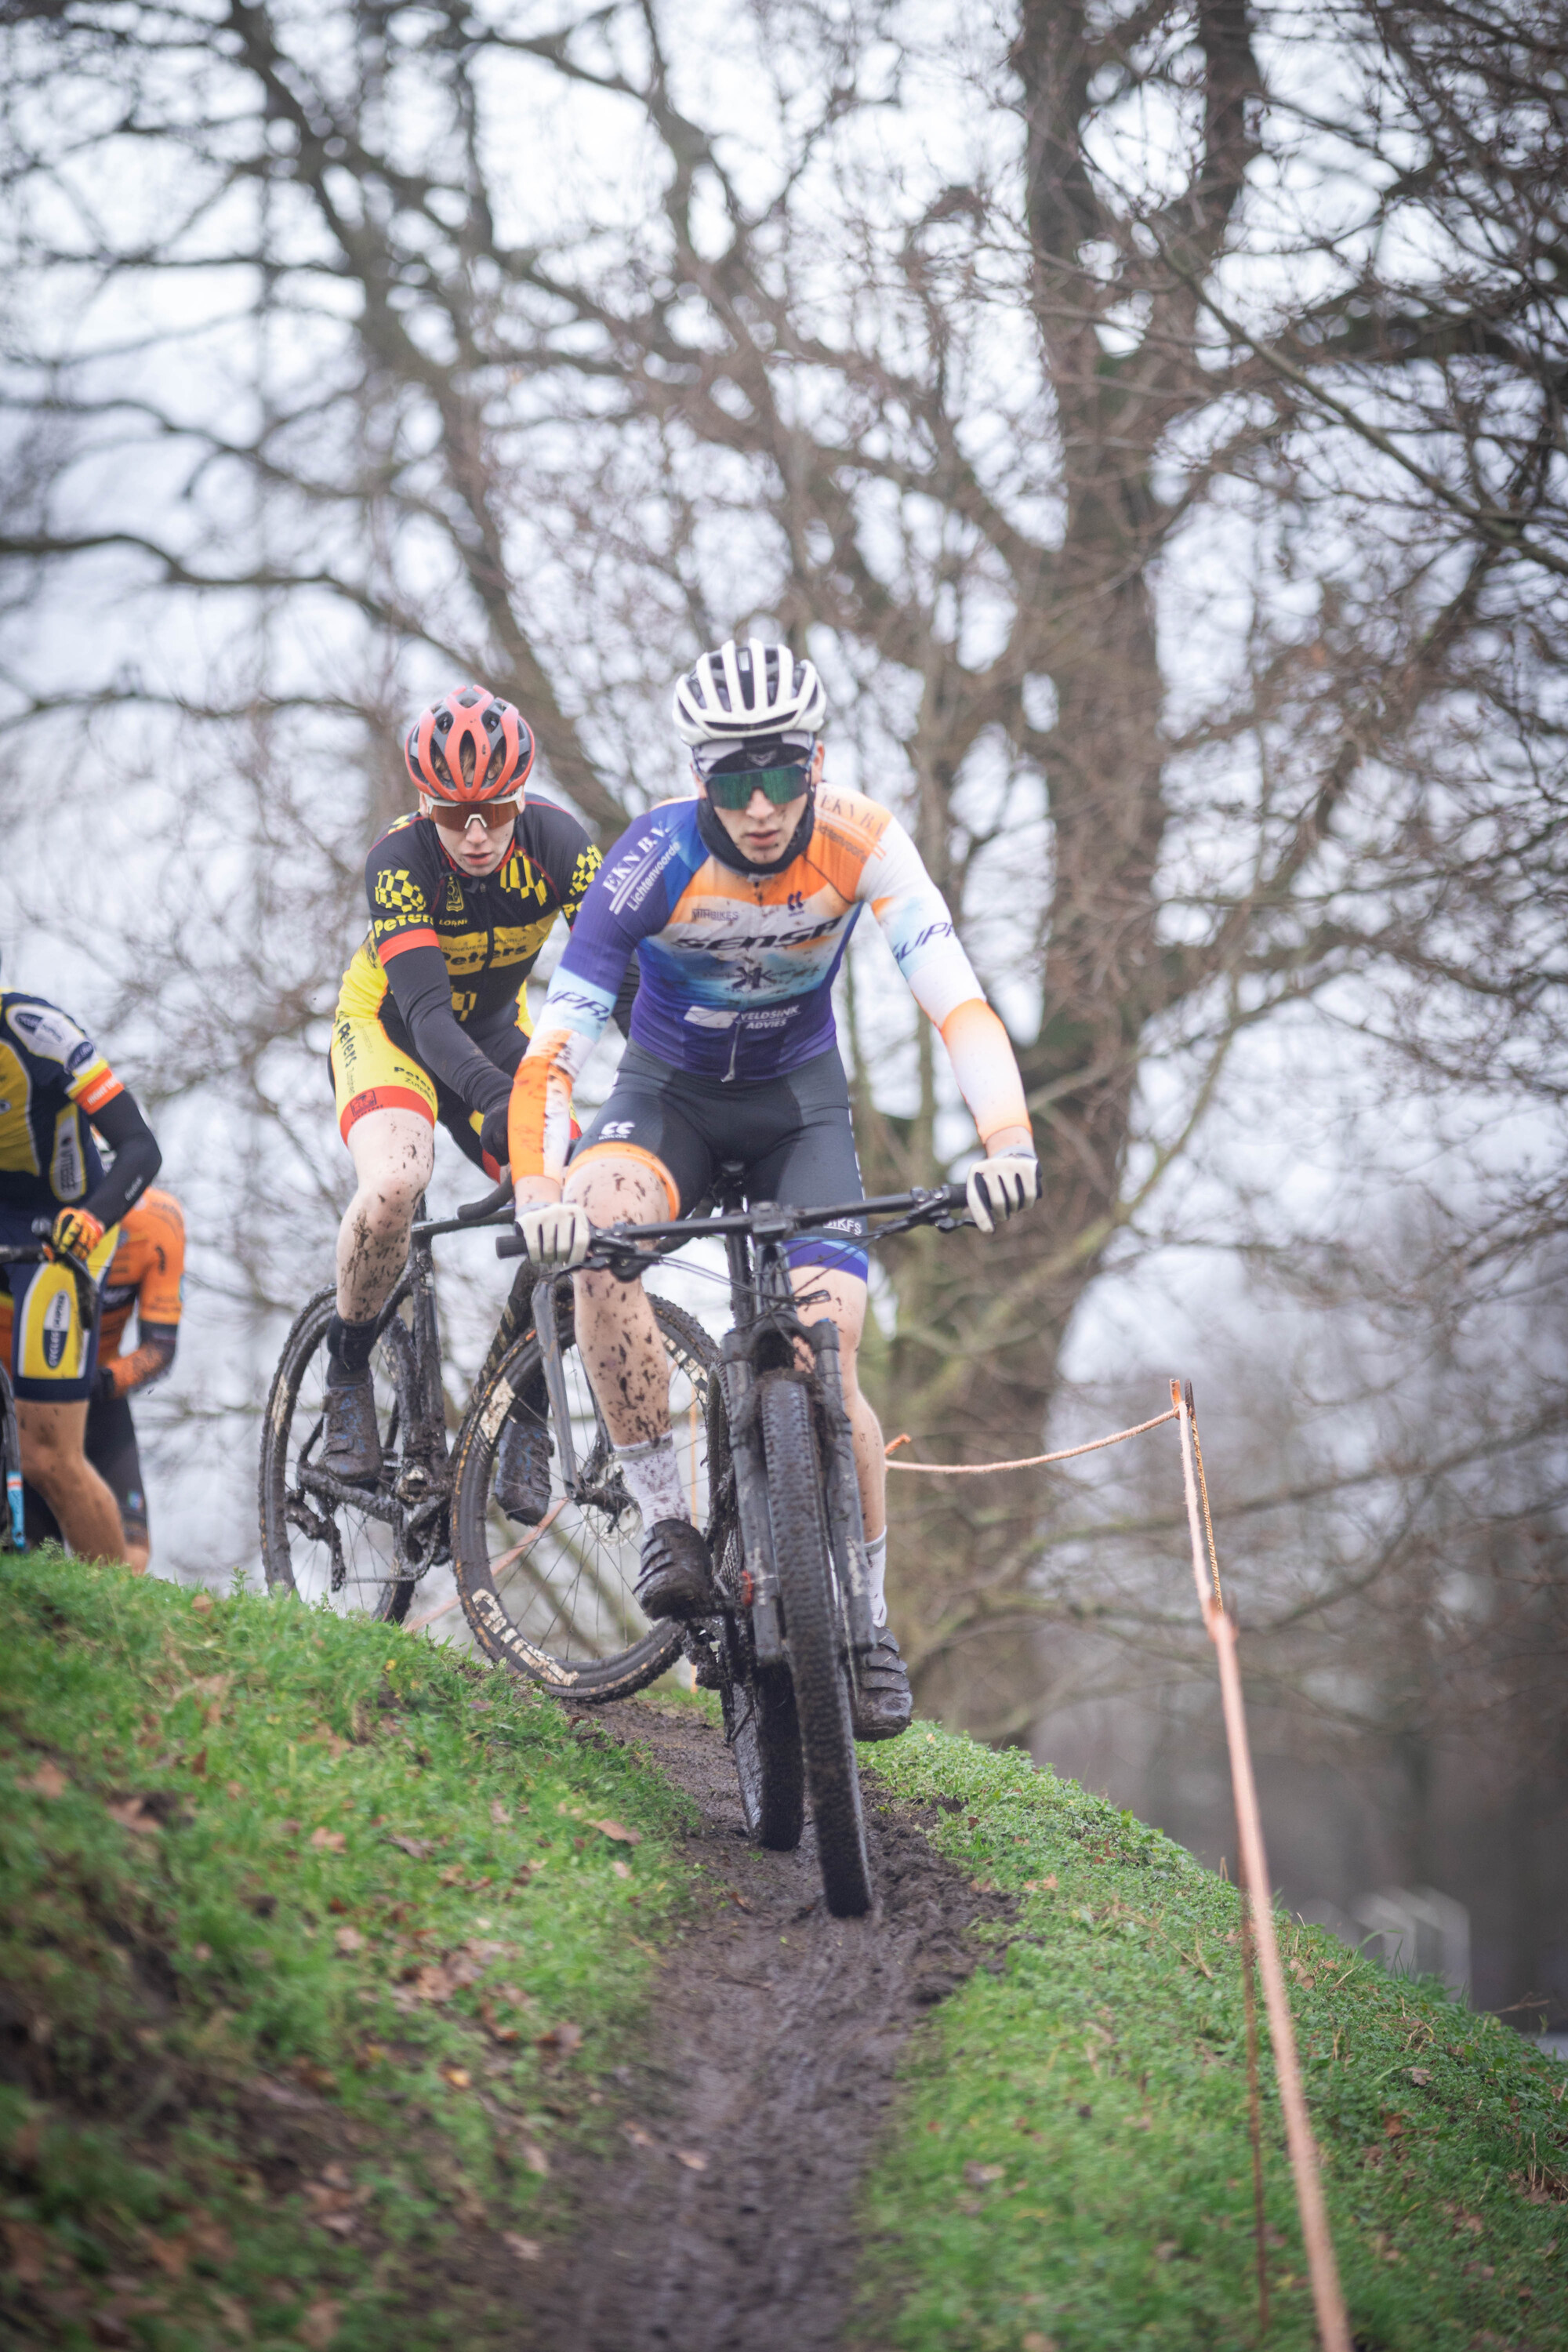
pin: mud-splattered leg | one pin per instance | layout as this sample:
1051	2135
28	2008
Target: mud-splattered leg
615	1330
394	1152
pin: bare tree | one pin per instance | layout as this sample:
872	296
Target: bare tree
1149	414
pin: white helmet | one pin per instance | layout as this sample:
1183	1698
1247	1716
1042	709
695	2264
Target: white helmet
739	692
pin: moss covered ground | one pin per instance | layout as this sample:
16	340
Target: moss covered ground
1071	2170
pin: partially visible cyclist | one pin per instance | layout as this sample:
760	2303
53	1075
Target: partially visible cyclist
431	1021
738	904
144	1278
56	1089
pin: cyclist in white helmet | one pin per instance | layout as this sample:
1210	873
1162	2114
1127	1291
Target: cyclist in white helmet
738	903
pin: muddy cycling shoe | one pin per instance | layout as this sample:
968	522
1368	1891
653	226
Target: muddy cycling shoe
884	1703
676	1580
522	1472
351	1446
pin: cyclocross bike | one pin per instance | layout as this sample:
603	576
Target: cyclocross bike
767	1453
363	1549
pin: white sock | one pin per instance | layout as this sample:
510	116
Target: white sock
653	1479
876	1577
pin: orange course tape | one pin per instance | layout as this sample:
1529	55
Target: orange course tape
1030	1461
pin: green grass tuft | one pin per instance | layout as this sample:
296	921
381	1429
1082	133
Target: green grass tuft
1070	2166
310	1956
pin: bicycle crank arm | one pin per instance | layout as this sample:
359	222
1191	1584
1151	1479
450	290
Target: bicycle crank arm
328	1489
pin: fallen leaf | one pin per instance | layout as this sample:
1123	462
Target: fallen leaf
202	1952
320	2324
452	1875
624	1869
637	2137
1165	2249
233	1789
203	1604
980	2176
1034	2342
1420	2074
349	1939
418	1847
198	1762
328	1841
500	1814
534	2158
690	2158
560	2040
460	2077
431	1983
132	1813
527	2250
171	2255
48	1781
615	1829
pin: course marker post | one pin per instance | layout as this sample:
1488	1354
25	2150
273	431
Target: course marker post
1334	2326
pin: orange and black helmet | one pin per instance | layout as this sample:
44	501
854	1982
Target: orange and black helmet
469	746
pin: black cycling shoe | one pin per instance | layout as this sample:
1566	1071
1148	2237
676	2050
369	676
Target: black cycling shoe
884	1703
677	1579
351	1448
522	1471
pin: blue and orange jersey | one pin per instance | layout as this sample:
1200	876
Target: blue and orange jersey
736	968
53	1080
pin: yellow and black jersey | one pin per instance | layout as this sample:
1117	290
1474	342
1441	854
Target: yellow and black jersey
489	929
442	977
53	1081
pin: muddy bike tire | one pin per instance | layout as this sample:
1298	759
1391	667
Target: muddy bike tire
761	1727
815	1643
293	1560
568	1649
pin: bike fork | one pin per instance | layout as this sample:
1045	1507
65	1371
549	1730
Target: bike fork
752	1498
547	1331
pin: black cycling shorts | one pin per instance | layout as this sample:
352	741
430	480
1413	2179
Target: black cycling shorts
110	1447
791	1134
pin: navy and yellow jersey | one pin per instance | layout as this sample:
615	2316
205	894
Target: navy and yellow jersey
53	1082
438	991
489	929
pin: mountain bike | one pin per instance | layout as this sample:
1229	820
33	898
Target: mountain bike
768	1456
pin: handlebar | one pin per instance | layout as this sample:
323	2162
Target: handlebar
33	1254
942	1205
473	1212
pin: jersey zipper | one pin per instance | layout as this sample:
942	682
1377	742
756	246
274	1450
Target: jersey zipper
734	1049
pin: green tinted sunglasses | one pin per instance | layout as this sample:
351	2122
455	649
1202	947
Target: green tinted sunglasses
734	789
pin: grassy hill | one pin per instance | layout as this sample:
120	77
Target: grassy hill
319	1947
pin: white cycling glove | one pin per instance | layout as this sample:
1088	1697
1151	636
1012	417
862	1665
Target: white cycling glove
999	1186
559	1234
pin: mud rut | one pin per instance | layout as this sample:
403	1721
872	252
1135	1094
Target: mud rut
724	2216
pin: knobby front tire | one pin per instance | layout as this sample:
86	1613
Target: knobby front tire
815	1639
318	1551
558	1602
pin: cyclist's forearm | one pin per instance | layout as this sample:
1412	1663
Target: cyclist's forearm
422	991
986	1069
137	1159
151	1358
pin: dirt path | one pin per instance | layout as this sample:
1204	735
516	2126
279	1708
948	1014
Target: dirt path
726	2217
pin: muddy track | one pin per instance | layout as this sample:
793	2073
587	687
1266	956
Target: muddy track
725	2215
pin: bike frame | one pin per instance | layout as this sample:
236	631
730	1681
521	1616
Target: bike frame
767	1335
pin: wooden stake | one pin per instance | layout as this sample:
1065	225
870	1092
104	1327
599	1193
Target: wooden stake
1334	2326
